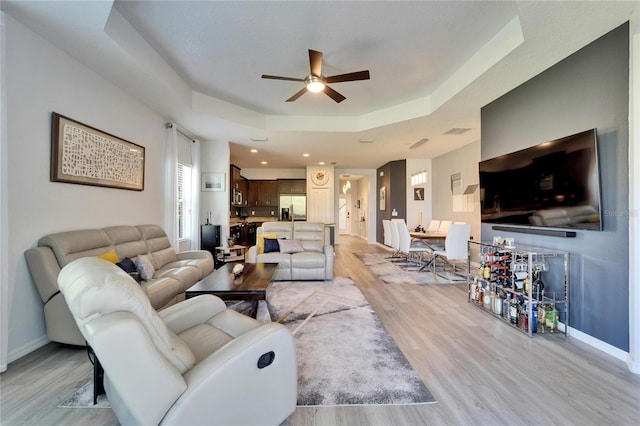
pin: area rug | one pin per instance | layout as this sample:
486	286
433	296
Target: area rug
392	272
345	356
83	398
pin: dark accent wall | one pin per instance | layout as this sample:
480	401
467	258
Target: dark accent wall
588	89
394	179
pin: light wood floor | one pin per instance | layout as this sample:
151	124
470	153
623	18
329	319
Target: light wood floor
480	371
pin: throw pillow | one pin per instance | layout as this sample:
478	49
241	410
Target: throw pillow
271	245
110	256
290	246
145	267
260	241
127	265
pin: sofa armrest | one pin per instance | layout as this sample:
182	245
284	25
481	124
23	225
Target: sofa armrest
191	312
194	254
252	256
44	269
235	365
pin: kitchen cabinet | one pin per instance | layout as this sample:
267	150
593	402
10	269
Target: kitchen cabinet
263	193
239	187
292	186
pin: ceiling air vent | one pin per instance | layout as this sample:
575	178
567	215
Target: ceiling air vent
417	144
456	131
366	141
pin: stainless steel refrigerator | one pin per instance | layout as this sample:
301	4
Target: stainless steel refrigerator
293	207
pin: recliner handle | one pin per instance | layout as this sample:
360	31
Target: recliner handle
266	359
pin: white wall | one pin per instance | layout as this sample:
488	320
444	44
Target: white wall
256	174
415	207
214	158
464	161
41	79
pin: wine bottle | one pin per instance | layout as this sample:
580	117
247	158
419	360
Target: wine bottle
513	311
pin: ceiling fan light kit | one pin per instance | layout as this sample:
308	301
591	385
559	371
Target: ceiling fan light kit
316	82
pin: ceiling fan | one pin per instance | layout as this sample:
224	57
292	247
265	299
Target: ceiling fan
316	82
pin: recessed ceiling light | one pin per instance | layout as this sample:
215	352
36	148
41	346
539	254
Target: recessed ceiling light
254	150
305	155
263	162
321	163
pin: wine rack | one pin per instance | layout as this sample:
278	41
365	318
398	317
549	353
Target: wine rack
525	287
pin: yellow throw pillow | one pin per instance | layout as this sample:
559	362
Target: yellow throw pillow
260	241
110	256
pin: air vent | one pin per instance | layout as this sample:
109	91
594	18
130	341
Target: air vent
366	141
417	144
456	131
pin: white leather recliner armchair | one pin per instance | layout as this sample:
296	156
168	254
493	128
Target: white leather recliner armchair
194	363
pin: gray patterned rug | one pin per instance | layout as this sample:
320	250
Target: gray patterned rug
345	356
392	272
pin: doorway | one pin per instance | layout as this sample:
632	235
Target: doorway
344	214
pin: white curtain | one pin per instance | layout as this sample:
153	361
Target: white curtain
183	148
171	189
194	232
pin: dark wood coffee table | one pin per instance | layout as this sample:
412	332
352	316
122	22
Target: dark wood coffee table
250	286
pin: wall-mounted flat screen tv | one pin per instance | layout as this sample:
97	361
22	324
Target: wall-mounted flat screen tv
554	184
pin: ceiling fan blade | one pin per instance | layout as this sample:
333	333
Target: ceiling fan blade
315	62
297	95
275	77
333	94
352	76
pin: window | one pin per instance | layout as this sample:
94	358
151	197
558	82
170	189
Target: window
184	201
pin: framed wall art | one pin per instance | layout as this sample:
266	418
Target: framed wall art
383	198
84	155
213	182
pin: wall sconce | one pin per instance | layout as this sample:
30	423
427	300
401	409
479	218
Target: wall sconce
419	178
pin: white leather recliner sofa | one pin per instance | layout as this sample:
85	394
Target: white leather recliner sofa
173	274
313	262
194	363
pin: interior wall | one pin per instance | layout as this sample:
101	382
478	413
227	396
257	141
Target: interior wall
214	158
393	178
588	89
41	79
419	209
464	161
258	174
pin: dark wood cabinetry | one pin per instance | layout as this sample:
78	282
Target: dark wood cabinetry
239	187
292	186
263	193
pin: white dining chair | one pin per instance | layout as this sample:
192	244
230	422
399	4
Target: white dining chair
386	224
455	246
433	225
408	248
444	226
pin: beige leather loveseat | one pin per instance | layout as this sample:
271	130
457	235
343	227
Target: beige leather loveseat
313	260
172	272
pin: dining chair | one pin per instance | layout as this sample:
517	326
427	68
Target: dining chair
411	250
455	245
394	241
444	226
433	225
386	224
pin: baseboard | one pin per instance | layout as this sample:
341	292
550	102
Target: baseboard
603	346
27	348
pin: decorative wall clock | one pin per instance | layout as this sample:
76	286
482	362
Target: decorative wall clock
319	177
